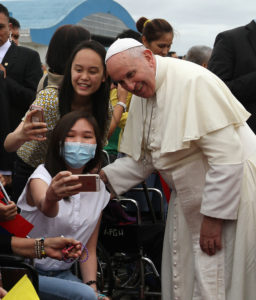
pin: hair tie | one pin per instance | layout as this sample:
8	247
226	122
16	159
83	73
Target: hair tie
146	22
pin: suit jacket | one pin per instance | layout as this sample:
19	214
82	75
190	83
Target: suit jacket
23	72
5	158
234	61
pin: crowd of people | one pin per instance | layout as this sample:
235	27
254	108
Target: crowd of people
159	117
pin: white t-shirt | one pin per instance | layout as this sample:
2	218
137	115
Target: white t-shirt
77	217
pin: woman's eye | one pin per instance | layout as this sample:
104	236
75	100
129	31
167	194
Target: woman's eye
93	71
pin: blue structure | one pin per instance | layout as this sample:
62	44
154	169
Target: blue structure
43	17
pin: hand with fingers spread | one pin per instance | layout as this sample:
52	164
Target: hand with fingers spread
8	212
210	235
63	185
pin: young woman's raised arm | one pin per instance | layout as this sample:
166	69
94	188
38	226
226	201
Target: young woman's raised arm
26	131
46	197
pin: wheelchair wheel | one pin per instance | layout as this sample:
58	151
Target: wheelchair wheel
105	279
125	270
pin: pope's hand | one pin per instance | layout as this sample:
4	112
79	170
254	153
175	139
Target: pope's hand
210	235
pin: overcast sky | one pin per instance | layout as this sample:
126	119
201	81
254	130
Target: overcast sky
195	22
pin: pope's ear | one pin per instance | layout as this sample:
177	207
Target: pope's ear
148	55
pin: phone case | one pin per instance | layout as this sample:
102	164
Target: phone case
39	116
90	182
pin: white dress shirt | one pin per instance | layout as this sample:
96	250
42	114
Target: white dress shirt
4	49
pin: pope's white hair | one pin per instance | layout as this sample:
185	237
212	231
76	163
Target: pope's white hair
136	51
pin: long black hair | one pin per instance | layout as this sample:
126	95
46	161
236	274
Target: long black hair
100	99
62	44
55	162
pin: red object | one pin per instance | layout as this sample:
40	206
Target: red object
19	226
66	250
166	189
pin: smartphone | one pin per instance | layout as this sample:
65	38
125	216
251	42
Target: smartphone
38	116
90	182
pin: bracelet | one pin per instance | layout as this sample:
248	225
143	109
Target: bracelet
122	104
66	250
39	248
91	282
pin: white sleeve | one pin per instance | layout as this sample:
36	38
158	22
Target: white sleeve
224	153
39	173
126	173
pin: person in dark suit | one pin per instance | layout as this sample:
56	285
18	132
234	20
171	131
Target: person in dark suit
22	71
234	61
5	162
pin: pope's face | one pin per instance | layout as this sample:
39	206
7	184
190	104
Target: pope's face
135	74
4	29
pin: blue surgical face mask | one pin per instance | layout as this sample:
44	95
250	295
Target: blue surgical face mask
76	154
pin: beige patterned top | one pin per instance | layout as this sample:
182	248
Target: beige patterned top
33	152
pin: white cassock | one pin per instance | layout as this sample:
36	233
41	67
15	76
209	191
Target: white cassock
193	132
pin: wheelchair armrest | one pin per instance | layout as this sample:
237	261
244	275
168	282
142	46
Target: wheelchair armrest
134	203
13	267
7	258
152	190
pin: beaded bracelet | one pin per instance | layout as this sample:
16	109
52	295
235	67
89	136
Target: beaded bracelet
39	248
66	250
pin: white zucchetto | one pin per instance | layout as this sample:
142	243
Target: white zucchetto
121	45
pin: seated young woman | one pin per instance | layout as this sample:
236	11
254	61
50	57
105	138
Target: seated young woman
53	202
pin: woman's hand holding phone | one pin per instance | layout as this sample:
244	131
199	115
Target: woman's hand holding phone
63	185
33	130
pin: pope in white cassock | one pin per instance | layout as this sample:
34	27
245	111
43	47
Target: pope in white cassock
185	123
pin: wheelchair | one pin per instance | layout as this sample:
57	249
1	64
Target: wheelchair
126	265
13	268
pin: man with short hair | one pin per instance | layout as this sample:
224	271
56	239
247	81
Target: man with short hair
21	68
185	123
20	72
15	31
199	55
